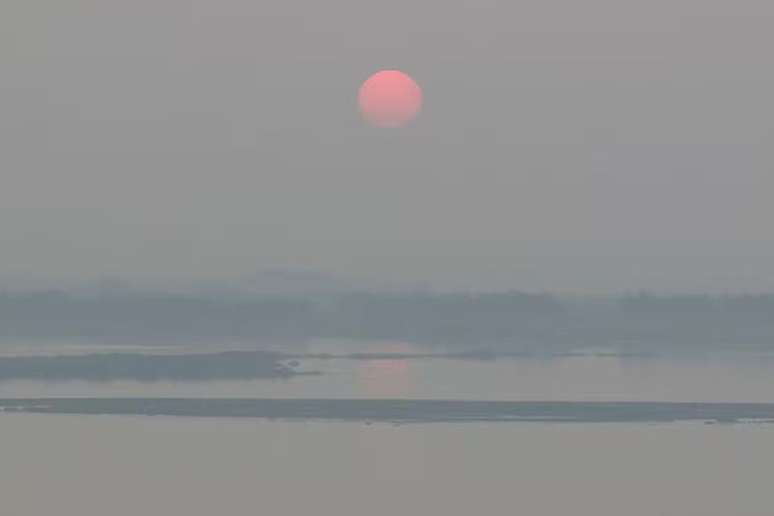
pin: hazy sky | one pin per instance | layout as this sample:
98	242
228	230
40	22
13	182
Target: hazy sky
596	145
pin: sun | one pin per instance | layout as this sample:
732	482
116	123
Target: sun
390	99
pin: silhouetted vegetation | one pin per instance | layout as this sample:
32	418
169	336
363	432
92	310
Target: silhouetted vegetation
140	367
508	321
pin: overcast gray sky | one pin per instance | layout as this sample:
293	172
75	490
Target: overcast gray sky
564	145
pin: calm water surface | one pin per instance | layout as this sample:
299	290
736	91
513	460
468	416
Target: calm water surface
99	465
727	377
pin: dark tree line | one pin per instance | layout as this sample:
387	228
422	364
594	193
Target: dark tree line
505	321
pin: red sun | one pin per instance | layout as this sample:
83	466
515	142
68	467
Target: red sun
390	98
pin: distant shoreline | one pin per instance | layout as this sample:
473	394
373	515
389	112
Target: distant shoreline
401	411
509	322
